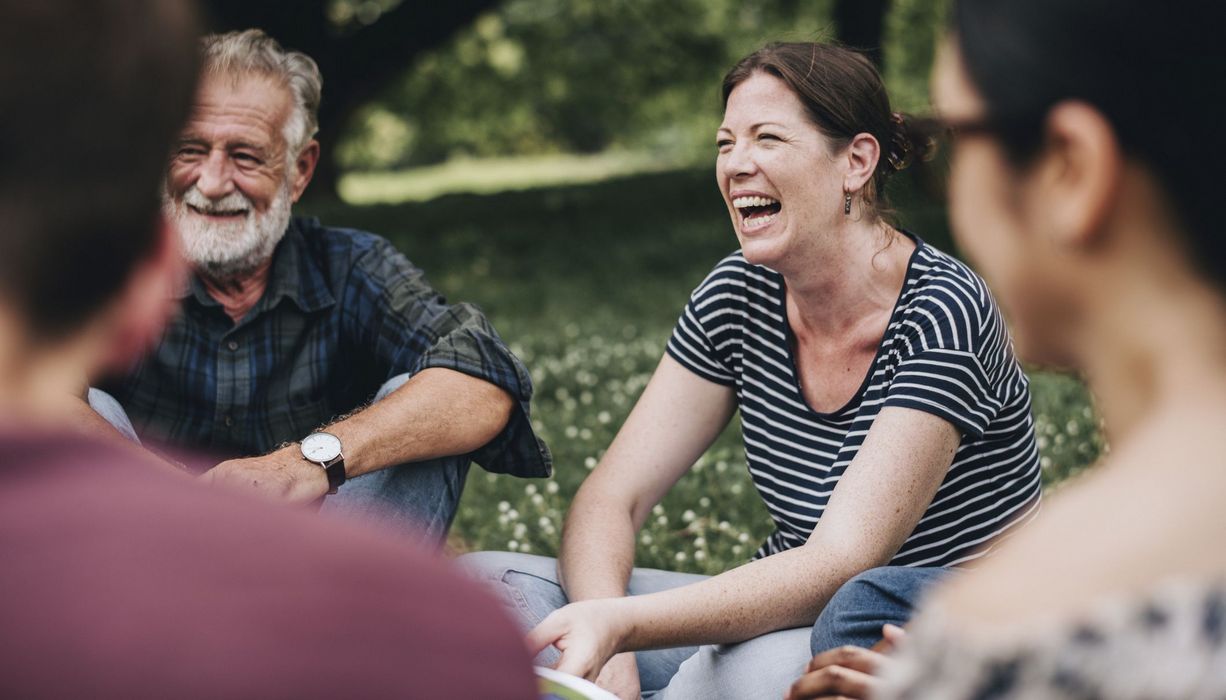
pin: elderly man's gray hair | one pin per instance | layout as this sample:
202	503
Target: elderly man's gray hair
254	52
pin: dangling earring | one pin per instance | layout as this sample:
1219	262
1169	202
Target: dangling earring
846	203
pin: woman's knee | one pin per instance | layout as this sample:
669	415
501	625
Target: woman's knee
763	667
859	608
527	583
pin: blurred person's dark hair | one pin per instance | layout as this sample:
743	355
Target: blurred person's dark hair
1156	72
91	96
844	96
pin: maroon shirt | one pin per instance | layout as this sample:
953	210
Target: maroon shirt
118	580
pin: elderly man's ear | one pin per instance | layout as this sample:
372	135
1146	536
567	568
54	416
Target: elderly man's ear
134	320
304	169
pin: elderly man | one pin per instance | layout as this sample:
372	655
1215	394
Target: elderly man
119	580
288	325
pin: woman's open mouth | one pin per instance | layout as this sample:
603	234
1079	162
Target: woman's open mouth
756	211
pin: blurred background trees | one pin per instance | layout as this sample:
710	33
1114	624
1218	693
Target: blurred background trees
414	83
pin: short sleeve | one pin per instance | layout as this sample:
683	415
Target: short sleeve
947	341
710	322
410	327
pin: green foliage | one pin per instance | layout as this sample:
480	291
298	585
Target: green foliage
585	283
581	76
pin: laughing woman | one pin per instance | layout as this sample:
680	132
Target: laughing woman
885	419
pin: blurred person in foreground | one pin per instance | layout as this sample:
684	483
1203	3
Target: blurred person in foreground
118	579
315	360
886	423
1085	185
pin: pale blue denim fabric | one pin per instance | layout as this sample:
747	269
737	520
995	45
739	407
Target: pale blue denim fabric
764	667
859	609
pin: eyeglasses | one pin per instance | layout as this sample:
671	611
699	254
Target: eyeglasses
941	133
934	141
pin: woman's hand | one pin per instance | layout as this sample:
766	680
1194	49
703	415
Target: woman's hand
588	634
845	672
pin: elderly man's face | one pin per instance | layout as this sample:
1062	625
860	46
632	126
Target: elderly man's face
230	183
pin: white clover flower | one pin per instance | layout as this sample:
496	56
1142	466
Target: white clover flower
503	506
680	556
551	487
604	417
530	489
544	522
700	555
571	432
513	514
525	547
538	500
704	502
700	542
688	516
646	538
657	509
743	537
662	520
520	530
723	526
513	545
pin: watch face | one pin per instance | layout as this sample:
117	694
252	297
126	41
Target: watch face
321	447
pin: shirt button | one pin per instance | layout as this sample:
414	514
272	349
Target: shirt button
228	420
233	345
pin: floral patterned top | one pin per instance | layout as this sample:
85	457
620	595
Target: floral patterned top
1169	643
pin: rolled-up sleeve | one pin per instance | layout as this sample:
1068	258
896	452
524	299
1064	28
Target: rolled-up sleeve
410	327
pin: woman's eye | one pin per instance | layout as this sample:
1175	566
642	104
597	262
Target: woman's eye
722	144
768	137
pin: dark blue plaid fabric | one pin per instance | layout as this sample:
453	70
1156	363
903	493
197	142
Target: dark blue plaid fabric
344	312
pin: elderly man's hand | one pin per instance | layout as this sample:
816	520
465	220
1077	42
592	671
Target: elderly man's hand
282	475
845	672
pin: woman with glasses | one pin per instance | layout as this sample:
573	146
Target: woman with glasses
886	423
1088	194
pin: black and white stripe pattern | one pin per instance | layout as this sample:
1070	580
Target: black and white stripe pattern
946	351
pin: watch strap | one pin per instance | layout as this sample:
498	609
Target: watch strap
336	473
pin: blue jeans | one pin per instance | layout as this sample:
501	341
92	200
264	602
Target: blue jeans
856	613
416	500
763	667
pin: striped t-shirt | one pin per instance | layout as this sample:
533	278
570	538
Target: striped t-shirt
946	351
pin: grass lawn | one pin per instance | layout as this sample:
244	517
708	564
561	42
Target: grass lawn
585	281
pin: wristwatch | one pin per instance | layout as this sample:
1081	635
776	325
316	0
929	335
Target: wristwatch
324	449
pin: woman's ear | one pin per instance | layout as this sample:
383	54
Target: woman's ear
862	155
1080	177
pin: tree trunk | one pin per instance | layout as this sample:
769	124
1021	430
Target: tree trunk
860	25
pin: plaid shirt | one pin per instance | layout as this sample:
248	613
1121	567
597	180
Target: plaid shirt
344	311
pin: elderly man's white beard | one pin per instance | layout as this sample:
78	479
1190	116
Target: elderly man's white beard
226	250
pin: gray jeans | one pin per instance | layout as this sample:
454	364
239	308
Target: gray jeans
416	500
763	667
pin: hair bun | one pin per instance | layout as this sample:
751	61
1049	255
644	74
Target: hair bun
904	138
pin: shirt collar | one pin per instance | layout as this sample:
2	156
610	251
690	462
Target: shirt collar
294	275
